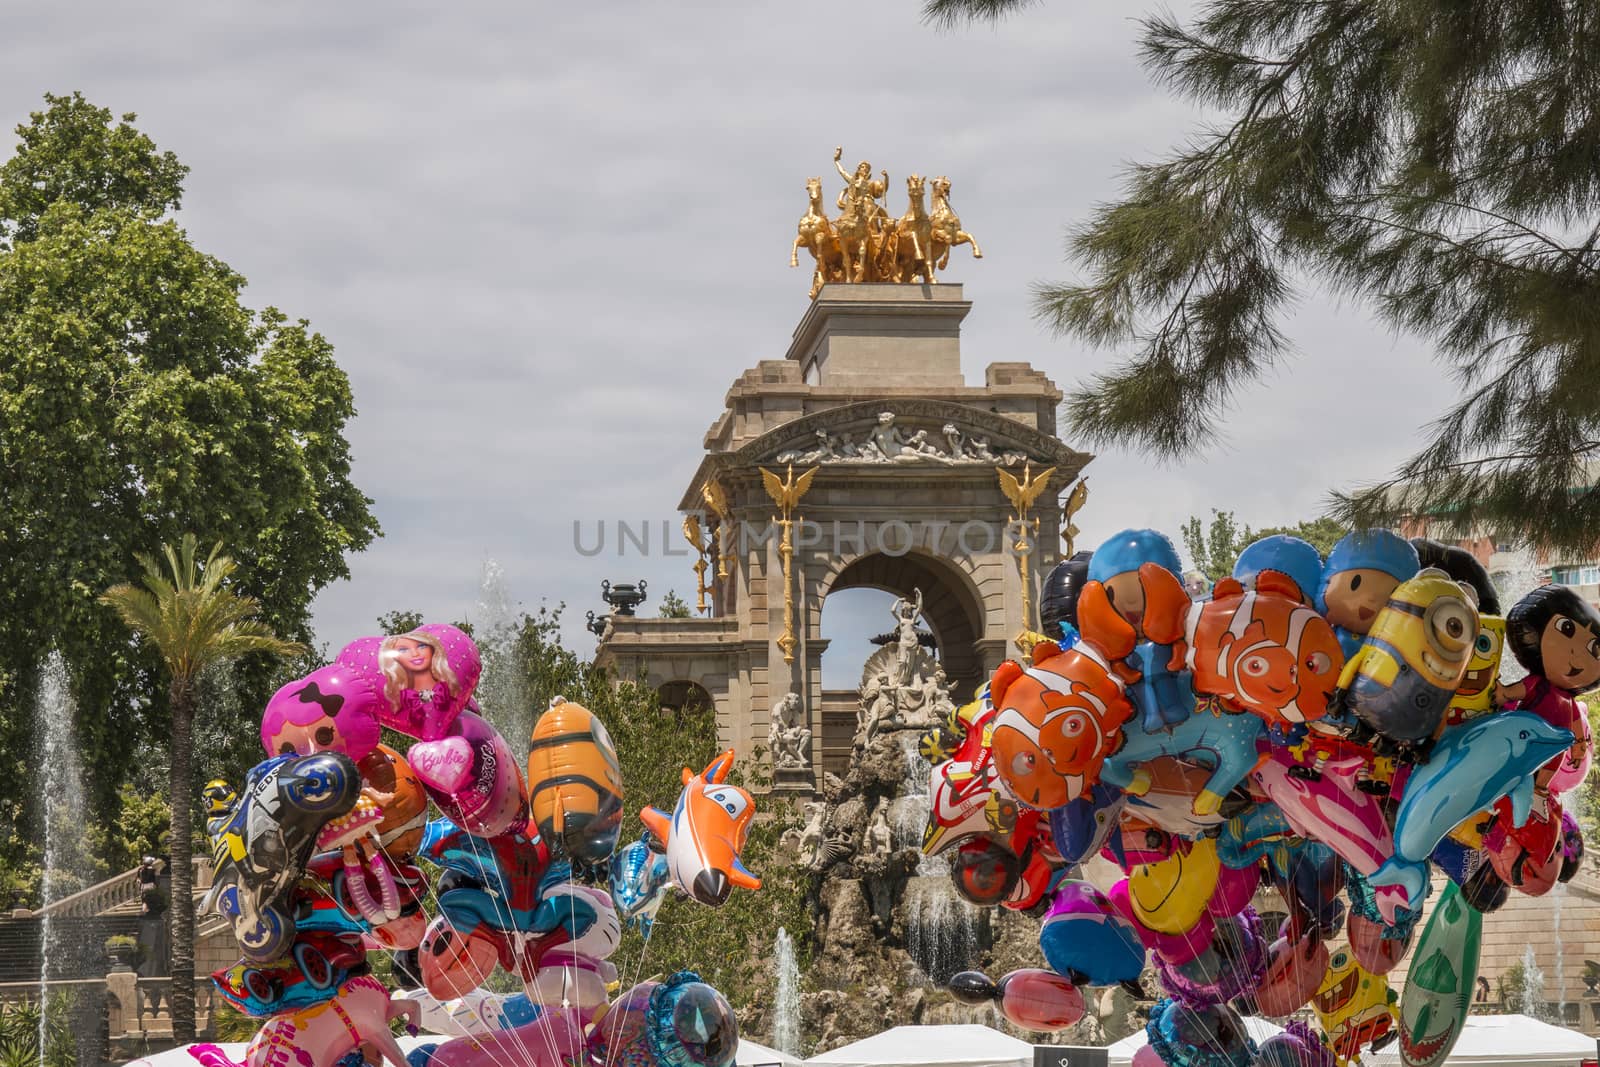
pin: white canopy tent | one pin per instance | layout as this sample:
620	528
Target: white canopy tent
1493	1040
932	1046
1121	1053
755	1054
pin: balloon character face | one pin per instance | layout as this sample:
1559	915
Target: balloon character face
1053	728
1406	672
1282	554
575	783
1362	572
705	832
1555	634
332	709
1475	695
1354	1007
309	974
390	784
1169	897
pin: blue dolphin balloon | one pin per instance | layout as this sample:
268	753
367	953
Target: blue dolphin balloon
1473	765
1225	743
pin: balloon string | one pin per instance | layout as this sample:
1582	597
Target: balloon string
613	1047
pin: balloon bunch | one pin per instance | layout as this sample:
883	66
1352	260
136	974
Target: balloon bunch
1333	728
328	852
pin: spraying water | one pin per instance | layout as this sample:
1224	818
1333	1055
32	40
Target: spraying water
500	691
1532	985
63	819
786	1010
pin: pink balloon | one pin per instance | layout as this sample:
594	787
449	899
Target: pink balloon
1375	953
1235	887
492	798
454	964
333	709
1145	1056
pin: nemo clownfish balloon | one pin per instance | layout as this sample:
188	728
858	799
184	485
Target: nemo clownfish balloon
705	832
575	783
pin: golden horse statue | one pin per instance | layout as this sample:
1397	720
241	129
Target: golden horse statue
913	248
947	231
815	232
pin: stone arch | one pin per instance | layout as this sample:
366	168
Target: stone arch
952	604
683	693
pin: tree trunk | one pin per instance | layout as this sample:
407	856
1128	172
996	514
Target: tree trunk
182	1000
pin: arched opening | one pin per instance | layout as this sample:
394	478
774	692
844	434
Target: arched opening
856	607
681	696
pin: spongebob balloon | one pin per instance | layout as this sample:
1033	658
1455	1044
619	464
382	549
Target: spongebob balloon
1355	1008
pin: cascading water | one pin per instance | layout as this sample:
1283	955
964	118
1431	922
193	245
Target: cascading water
63	820
941	928
786	1009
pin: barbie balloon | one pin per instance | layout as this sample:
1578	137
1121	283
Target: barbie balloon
473	778
428	675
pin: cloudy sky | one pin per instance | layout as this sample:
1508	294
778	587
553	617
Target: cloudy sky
544	240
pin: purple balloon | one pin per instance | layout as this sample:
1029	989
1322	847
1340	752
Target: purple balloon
1232	964
333	709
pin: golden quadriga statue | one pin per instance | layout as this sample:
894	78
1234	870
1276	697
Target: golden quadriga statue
867	244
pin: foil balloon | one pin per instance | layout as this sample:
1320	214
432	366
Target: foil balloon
1169	948
1220	740
260	843
1263	650
1082	828
1054	724
471	775
972	987
1286	555
1439	987
1376	953
309	974
575	783
1292	975
1404	675
1233	964
1039	1000
319	1037
1212	1035
1471	766
1170	897
428	676
1086	940
1297	1046
1236	886
681	1022
1111	614
1355	1008
1363	569
705	832
1555	635
333	709
454	964
1168	802
639	882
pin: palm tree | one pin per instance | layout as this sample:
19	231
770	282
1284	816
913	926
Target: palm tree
193	622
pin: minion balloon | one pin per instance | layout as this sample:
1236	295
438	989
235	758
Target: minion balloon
1406	672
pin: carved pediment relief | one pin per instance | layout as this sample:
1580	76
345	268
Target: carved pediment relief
903	433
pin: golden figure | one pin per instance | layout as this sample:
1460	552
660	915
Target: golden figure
717	501
1070	507
913	238
696	538
815	232
786	494
1022	493
947	231
861	229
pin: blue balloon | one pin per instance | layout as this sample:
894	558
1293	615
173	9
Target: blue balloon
1210	1036
1224	742
1284	554
1472	766
638	880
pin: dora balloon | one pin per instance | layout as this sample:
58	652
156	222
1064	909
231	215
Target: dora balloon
1555	635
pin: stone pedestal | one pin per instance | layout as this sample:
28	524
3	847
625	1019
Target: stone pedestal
794	780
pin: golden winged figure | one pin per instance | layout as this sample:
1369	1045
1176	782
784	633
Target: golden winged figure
1070	507
1022	493
715	498
787	493
692	532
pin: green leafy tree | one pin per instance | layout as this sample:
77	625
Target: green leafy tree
191	620
139	399
1214	546
674	606
1322	534
1431	159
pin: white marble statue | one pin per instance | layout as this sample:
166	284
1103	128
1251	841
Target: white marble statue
788	735
878	840
907	643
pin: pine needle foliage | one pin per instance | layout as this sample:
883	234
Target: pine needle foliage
1438	160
